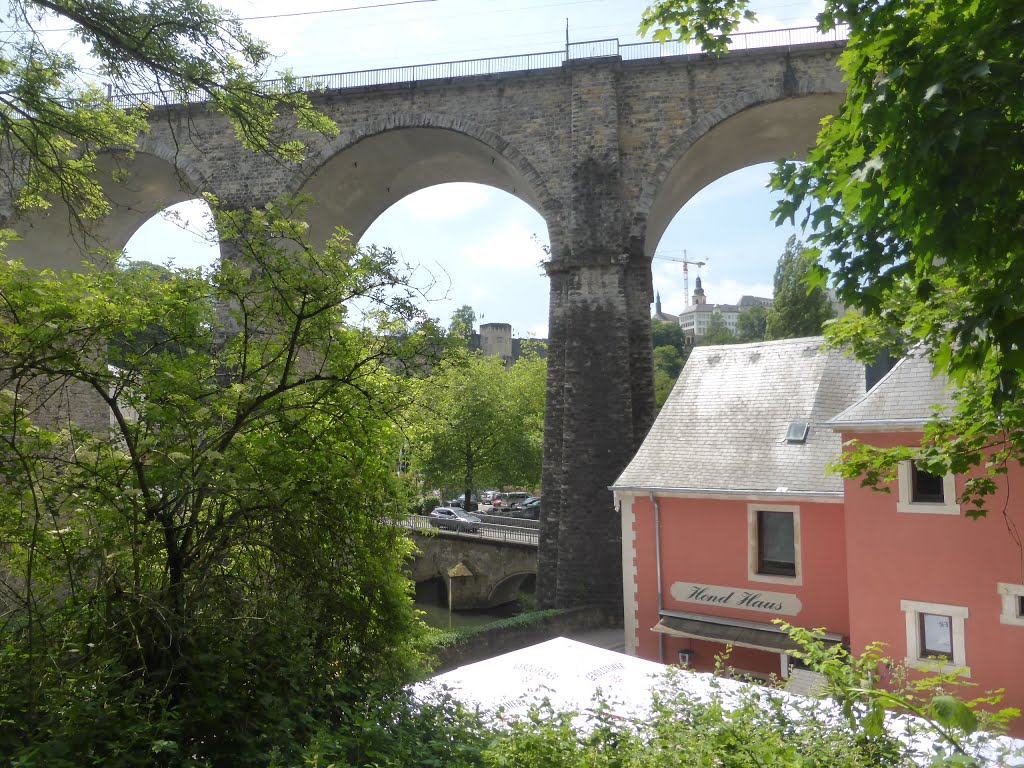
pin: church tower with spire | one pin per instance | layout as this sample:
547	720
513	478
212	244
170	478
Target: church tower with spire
698	294
663	316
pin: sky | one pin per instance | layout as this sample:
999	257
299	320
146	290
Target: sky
484	245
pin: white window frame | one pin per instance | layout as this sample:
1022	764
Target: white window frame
1009	596
905	502
912	610
752	551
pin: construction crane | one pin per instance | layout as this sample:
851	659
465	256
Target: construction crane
686	270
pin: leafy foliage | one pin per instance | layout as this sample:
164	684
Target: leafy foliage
669	360
697	720
463	323
670	353
718	332
56	124
752	324
477	423
709	22
219	574
798	309
667	334
914	196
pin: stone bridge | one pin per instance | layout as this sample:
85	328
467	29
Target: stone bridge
607	149
477	572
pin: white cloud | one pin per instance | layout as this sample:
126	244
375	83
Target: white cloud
512	248
446	201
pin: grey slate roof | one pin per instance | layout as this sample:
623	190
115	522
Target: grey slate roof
906	396
724	425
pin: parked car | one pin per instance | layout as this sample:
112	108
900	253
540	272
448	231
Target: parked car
497	502
460	502
513	499
529	509
487	497
454	519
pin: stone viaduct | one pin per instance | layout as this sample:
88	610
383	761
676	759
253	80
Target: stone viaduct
607	149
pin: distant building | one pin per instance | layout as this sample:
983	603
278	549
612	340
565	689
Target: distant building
696	318
749	302
665	317
495	339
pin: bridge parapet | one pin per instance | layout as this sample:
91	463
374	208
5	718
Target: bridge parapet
526	62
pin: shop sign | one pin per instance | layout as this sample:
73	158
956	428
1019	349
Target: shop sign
778	603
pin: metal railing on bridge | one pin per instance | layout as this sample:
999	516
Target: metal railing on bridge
491	527
590	49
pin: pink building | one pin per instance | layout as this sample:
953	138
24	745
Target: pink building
730	519
923	577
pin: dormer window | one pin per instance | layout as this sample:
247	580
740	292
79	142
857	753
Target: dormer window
797	432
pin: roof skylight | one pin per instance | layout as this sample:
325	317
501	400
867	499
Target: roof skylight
797	432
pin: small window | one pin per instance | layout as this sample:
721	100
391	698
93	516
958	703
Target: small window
797	432
924	492
926	488
1012	598
936	636
776	548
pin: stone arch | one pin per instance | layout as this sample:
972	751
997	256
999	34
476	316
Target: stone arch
371	166
743	132
505	591
159	177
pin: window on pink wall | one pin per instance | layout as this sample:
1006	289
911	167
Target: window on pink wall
1012	598
923	492
776	546
936	635
925	486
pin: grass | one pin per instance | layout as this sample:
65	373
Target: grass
444	638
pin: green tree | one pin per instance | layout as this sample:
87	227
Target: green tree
476	424
670	353
798	309
718	332
914	198
669	360
56	125
217	576
463	323
667	334
751	324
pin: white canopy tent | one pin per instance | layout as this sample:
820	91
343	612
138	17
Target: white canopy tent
569	674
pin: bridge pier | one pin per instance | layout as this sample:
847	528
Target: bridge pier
600	395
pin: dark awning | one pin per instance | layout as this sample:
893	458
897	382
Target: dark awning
746	634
